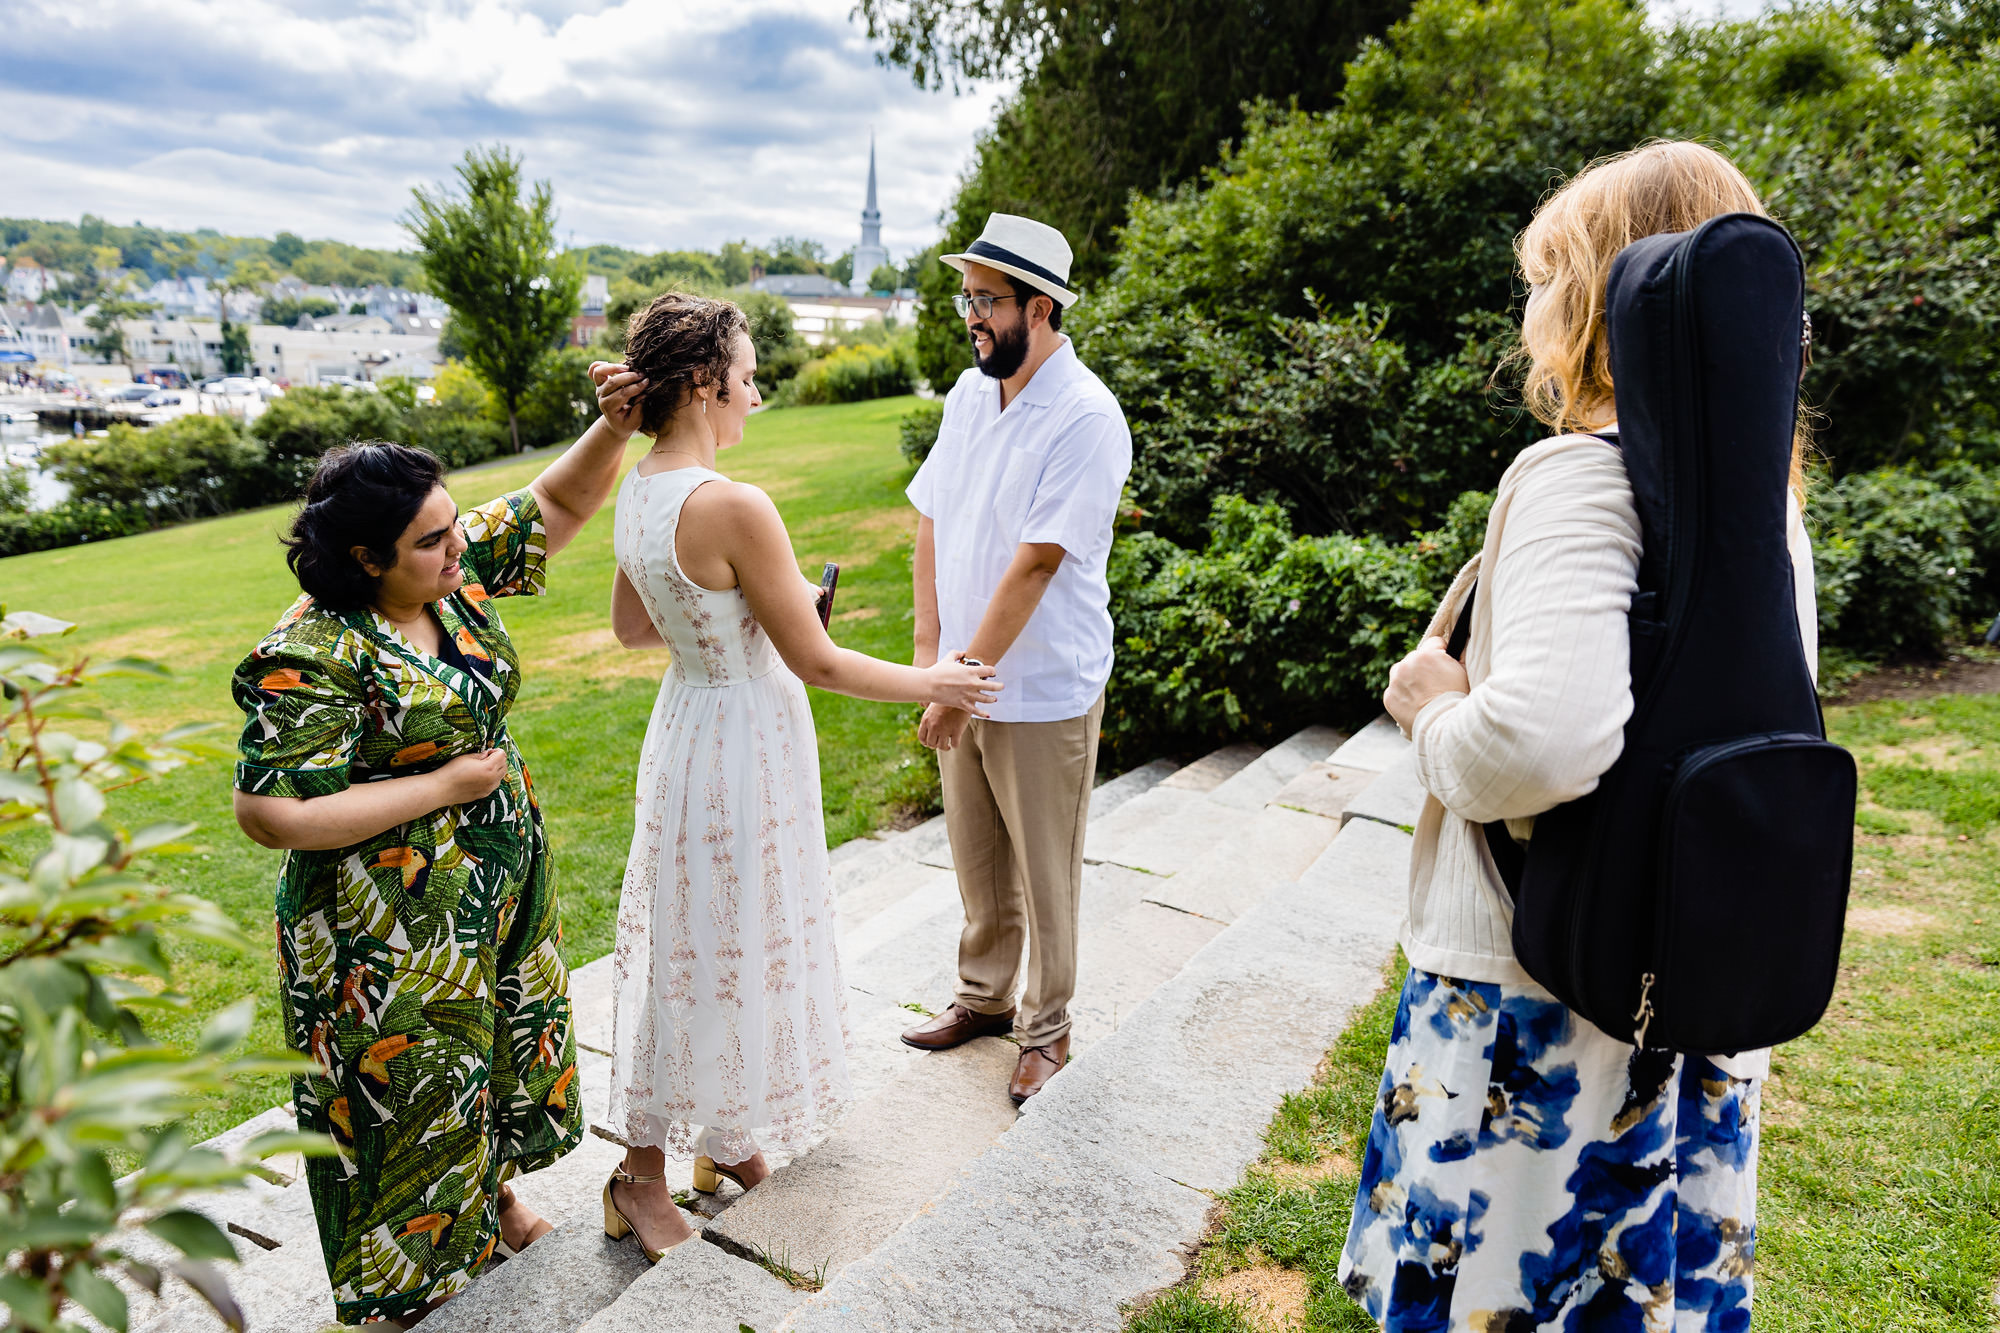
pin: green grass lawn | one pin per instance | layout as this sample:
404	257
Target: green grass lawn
1879	1171
197	598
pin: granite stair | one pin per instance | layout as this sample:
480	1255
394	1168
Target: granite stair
1235	911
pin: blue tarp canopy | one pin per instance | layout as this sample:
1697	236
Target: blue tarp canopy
9	354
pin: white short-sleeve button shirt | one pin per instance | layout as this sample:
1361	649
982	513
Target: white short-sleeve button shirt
1048	469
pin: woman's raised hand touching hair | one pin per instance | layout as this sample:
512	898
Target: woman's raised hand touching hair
619	391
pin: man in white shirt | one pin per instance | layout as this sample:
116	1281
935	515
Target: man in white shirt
1017	501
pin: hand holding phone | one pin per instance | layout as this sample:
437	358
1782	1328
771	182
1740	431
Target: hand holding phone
829	579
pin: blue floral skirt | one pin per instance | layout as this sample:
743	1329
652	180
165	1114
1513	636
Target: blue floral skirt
1525	1171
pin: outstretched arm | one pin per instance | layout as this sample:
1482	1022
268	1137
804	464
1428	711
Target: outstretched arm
753	539
580	480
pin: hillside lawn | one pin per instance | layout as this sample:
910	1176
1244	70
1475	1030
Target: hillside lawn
1879	1167
197	598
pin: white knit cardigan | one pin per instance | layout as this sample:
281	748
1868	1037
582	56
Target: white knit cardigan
1549	664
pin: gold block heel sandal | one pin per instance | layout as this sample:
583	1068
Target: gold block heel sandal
708	1173
618	1228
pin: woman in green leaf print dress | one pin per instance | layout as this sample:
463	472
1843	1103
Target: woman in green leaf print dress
417	919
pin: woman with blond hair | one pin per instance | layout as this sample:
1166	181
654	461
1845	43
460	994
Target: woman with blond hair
1525	1170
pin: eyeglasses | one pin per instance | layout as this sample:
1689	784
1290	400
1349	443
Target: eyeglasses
980	305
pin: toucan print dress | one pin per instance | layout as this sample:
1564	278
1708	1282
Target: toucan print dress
420	968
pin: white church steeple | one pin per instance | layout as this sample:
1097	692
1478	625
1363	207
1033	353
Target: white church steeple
870	254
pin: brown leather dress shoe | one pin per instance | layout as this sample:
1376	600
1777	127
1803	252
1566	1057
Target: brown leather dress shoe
1037	1065
956	1026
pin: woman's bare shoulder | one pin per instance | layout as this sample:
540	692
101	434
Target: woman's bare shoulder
731	502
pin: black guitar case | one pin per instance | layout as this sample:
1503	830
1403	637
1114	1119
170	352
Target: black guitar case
1695	900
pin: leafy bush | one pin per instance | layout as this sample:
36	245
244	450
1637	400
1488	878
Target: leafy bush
919	429
459	438
188	468
14	487
852	374
1902	560
1315	323
1325	307
69	523
81	968
299	427
560	403
1263	632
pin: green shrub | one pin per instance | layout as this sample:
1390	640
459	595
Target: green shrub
560	402
69	523
460	439
299	427
852	374
1263	631
187	468
1894	563
14	487
919	430
86	939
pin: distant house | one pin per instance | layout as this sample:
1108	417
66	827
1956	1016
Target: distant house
347	324
590	320
28	281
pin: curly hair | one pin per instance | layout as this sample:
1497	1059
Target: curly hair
363	494
680	343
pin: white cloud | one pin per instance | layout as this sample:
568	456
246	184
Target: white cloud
659	125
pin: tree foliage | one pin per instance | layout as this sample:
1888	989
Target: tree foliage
1118	97
1318	321
493	258
91	244
82	968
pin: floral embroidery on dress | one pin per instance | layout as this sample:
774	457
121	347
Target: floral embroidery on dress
730	1028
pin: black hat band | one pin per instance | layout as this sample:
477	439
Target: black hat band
987	250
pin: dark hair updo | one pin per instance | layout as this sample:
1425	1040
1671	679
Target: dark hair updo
363	494
680	343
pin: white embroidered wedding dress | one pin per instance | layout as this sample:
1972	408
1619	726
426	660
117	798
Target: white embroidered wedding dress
731	1013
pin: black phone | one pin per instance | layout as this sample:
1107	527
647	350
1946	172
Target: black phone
829	579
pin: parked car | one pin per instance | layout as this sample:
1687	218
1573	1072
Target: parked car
130	393
162	398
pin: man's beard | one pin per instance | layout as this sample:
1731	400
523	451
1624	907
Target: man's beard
1010	351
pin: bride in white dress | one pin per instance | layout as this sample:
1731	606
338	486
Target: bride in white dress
731	1013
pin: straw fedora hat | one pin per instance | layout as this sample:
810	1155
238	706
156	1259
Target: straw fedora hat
1032	251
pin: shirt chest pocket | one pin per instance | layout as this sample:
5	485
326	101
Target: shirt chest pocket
1018	473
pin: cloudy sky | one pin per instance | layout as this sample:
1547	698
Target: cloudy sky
662	125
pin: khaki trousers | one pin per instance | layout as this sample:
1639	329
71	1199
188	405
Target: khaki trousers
1016	798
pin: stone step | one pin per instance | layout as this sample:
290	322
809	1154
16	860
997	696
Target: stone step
1162	832
1323	789
576	1256
556	1284
1103	1188
279	1278
890	1155
1373	747
1261	779
1131	942
1260	851
873	873
1395	796
1214	768
698	1288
